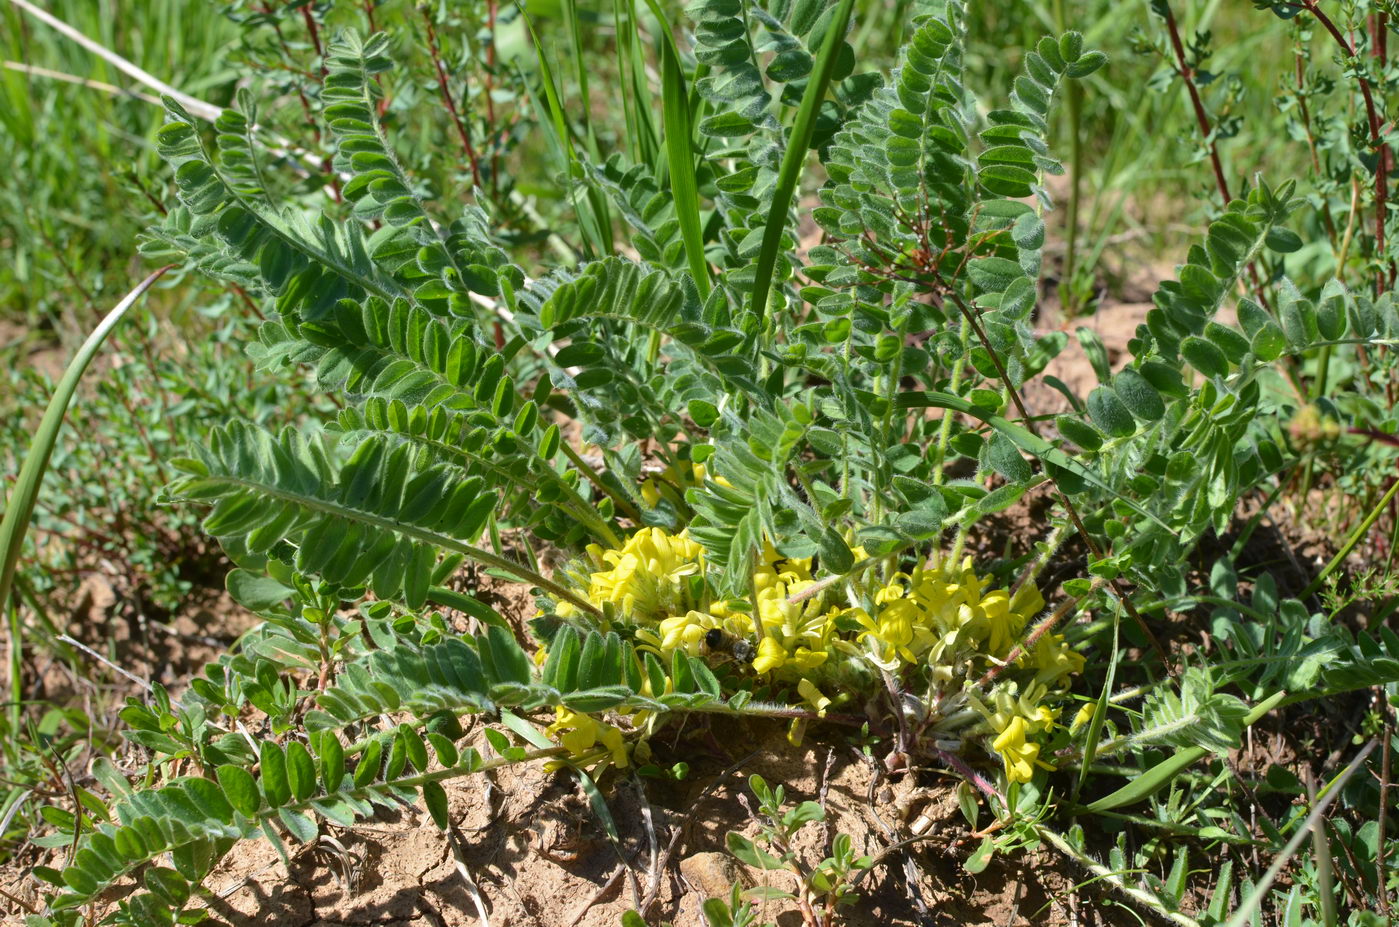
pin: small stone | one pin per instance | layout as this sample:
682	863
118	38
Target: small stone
713	874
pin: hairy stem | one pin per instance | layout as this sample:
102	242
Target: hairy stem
623	505
484	557
1146	900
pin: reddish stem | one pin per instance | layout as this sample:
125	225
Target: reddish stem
326	167
315	33
1069	507
1380	49
1372	118
248	301
450	103
1187	74
1039	630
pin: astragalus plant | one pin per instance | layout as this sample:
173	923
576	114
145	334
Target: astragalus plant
738	459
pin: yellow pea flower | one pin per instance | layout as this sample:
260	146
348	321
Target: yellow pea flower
580	734
650	492
1054	660
1019	755
647	576
685	632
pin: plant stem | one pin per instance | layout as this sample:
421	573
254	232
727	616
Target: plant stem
1250	905
471	552
623	506
451	103
314	31
1069	507
1301	74
1149	782
1372	119
1187	75
16	659
794	157
1100	871
945	429
1380	880
1032	570
489	93
890	377
1323	373
1039	630
1073	101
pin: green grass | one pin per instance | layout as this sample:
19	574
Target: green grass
70	202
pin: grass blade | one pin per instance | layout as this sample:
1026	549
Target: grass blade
1355	538
20	506
198	107
795	155
680	156
1321	860
1315	820
1100	710
592	211
36	461
636	93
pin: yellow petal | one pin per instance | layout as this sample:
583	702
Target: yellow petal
770	656
813	695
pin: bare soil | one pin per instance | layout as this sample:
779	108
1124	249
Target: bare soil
536	854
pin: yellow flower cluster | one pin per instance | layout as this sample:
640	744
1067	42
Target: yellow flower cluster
581	734
941	620
796	636
1015	718
943	617
648	577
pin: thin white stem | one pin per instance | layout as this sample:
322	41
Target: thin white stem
35	71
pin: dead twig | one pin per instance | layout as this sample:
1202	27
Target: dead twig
607	888
458	844
653	875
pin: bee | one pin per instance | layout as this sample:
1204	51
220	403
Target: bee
719	642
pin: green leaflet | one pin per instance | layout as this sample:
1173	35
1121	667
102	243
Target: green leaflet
1022	437
1157	776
